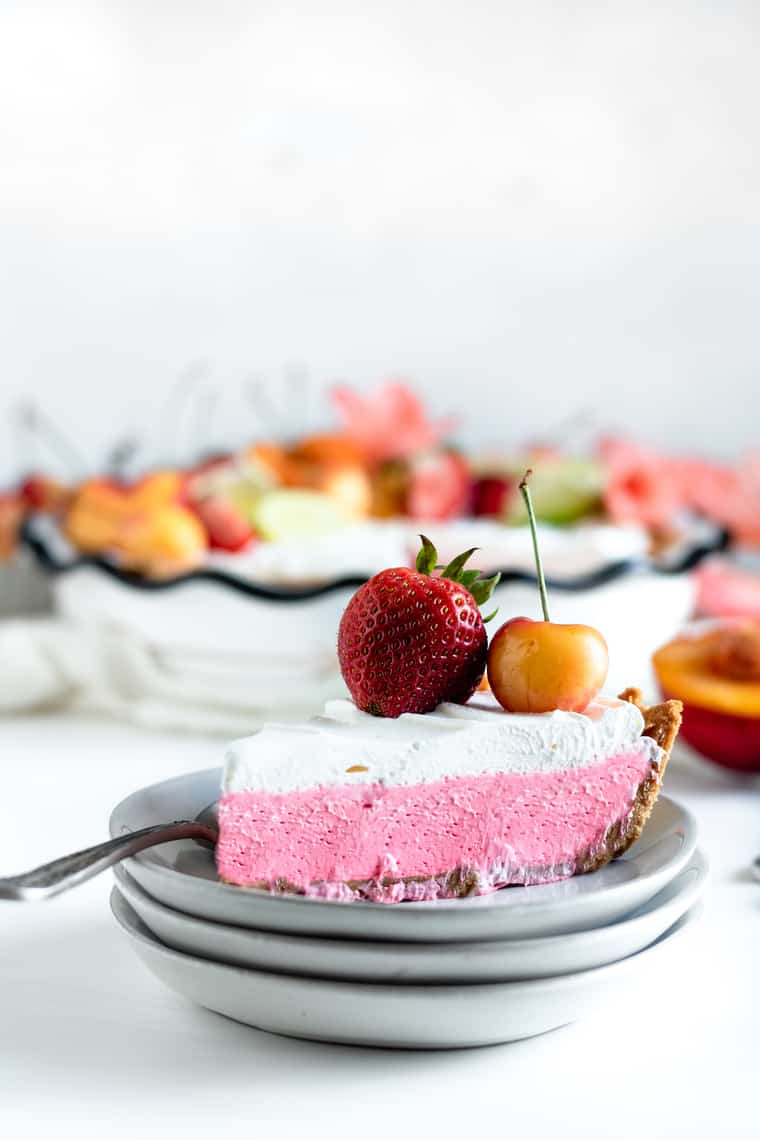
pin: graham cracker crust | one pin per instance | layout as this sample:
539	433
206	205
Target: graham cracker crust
661	723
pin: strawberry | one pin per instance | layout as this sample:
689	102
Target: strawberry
409	640
226	526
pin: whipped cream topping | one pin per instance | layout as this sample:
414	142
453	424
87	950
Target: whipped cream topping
347	746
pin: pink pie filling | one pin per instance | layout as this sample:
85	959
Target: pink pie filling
507	828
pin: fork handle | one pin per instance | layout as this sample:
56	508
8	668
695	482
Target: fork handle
70	870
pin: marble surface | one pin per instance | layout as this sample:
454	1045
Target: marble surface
91	1044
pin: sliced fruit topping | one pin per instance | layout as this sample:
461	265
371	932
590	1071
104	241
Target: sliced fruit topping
226	526
144	524
11	517
439	486
42	494
539	666
411	639
492	495
286	514
162	542
391	423
563	491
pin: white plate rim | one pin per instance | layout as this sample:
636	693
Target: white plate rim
695	874
555	984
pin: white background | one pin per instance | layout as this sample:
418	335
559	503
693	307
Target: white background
534	210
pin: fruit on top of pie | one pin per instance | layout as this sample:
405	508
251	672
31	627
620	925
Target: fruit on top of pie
163	542
411	639
96	512
461	801
291	514
491	495
156	489
390	423
715	671
564	489
11	518
226	526
143	523
439	486
40	493
328	450
328	464
539	666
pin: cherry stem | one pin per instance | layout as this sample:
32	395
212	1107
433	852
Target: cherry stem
525	492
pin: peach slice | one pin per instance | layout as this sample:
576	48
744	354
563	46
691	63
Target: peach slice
716	673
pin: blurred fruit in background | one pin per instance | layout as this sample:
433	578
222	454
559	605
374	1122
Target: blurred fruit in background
12	511
143	523
642	485
386	459
390	423
727	590
226	524
565	489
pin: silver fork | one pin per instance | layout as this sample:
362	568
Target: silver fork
61	874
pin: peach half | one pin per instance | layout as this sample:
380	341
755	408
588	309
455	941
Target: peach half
715	671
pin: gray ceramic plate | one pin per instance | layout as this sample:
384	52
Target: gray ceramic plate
407	1017
407	963
183	876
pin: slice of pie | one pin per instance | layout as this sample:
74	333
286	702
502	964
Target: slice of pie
456	802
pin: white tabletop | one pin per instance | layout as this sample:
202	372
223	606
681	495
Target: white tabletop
92	1045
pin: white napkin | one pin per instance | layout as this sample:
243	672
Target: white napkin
50	663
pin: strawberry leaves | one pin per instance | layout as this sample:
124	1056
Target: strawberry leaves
427	557
455	568
480	588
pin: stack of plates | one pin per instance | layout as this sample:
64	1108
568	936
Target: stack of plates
460	972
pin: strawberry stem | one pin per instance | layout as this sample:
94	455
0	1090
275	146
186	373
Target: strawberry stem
525	492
